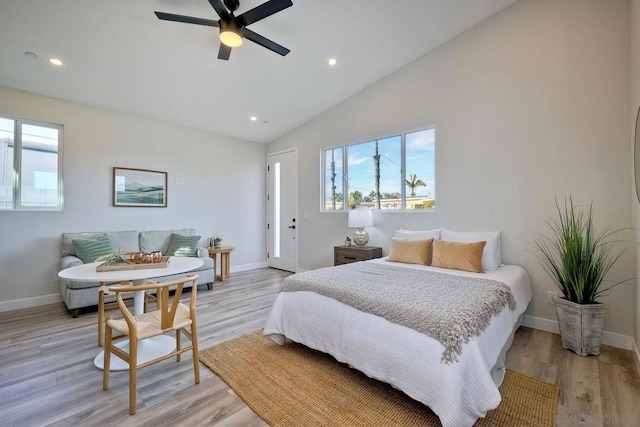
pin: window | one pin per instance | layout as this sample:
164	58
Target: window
31	159
333	178
391	173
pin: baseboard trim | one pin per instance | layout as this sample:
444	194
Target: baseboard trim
247	267
540	323
54	298
608	338
636	355
29	302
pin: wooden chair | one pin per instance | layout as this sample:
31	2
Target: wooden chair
171	315
104	291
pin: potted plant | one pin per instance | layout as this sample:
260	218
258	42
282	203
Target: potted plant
578	258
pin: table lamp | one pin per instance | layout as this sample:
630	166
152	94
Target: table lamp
358	219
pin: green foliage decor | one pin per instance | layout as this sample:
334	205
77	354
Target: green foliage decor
576	256
112	258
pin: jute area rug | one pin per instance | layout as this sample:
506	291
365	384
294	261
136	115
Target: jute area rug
293	385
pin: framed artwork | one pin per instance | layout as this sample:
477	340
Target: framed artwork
139	188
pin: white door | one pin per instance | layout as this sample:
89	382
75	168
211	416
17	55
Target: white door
282	208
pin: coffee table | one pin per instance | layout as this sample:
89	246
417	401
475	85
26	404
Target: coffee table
149	348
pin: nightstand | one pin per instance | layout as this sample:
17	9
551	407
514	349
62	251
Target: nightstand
348	254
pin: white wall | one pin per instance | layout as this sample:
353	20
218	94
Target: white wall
223	191
528	105
634	18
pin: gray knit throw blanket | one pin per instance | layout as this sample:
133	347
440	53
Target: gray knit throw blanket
450	308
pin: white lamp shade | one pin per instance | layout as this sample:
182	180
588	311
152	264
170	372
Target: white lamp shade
359	218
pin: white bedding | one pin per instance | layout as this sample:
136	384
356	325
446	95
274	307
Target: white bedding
459	393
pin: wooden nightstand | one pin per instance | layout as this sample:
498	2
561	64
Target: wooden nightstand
347	254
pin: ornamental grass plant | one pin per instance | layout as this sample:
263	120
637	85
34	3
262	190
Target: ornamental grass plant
576	256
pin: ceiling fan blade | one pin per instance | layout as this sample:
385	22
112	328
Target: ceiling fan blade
187	19
265	42
220	9
262	11
224	52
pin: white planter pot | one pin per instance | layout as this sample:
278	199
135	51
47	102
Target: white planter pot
581	325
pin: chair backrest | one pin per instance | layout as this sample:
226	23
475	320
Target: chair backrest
167	305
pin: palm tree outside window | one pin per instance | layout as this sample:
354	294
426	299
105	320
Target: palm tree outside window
415	182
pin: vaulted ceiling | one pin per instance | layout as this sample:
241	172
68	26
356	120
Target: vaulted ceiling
116	54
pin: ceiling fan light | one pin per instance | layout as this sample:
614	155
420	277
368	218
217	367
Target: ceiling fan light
230	34
230	38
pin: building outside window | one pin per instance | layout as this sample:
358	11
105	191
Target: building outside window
31	165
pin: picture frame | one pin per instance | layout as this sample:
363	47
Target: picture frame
139	188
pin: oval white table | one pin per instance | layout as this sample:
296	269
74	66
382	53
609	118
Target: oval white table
149	348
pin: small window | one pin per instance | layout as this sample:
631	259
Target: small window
375	173
31	158
333	194
421	170
392	173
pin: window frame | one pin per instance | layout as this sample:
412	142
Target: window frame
345	169
17	165
323	186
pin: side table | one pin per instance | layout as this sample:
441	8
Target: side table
349	254
224	252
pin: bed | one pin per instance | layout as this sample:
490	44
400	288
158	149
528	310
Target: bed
459	389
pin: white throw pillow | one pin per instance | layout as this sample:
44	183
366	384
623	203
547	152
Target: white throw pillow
404	234
491	255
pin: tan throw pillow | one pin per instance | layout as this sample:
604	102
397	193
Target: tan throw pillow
410	251
458	256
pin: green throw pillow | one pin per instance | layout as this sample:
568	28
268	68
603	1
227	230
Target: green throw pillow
183	245
90	249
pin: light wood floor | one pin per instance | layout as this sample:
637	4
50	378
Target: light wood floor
47	376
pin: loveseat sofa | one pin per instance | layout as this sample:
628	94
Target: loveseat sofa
84	294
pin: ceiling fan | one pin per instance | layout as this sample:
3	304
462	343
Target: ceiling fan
234	28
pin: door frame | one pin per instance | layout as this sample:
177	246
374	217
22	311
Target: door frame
266	192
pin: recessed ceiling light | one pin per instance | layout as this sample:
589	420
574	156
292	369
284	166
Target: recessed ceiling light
56	61
254	118
31	55
332	61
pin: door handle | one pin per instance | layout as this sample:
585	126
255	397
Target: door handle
293	227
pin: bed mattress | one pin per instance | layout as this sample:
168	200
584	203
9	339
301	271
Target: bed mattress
459	393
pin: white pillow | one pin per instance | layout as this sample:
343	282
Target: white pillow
491	255
403	234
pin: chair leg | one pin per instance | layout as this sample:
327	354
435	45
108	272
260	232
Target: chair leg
107	358
147	299
152	299
178	344
133	375
196	357
100	318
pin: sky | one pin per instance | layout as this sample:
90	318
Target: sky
420	160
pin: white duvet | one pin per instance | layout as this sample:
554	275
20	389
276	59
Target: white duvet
458	393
